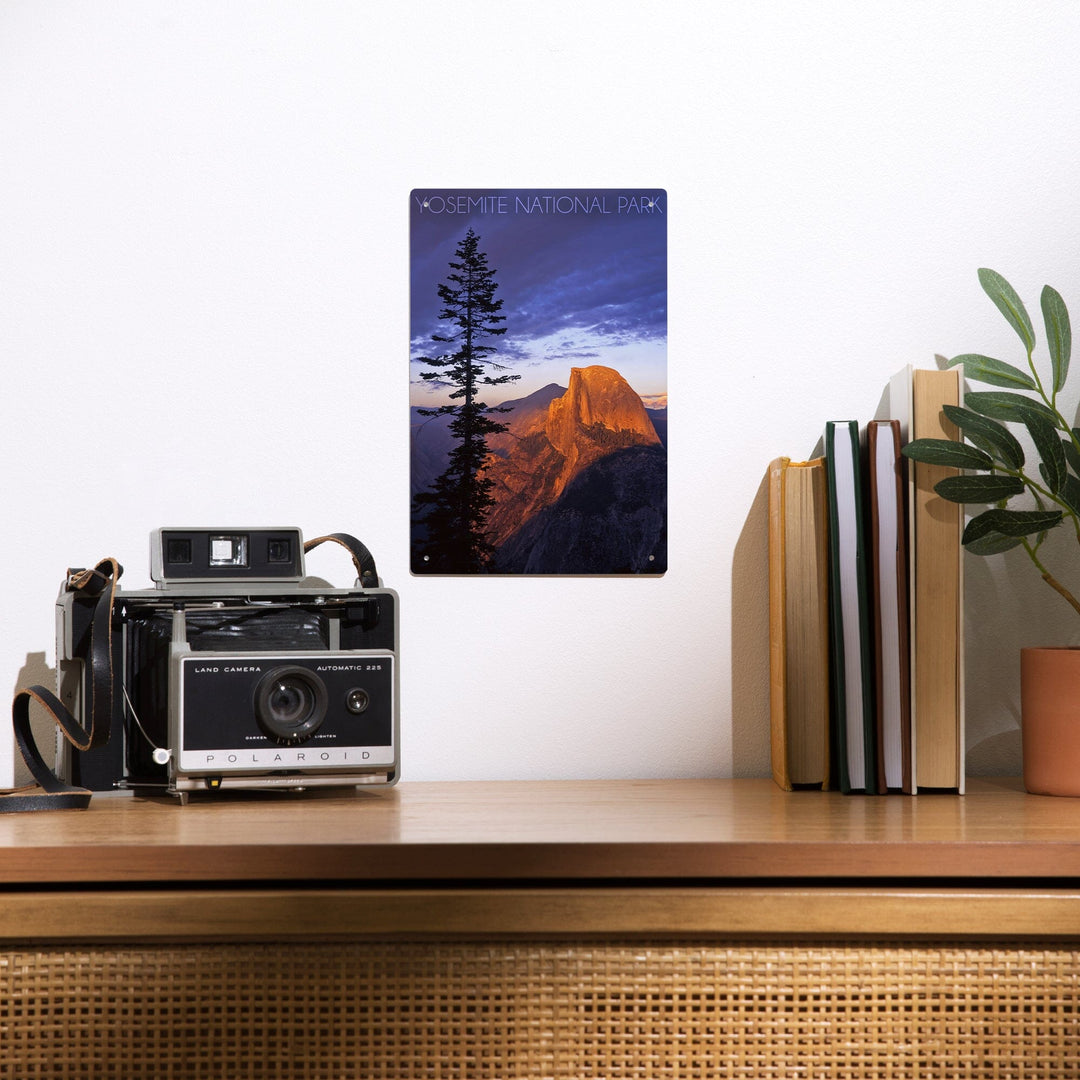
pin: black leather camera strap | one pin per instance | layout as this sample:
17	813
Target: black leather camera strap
361	557
50	792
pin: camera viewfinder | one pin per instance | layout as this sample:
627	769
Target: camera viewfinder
261	556
228	551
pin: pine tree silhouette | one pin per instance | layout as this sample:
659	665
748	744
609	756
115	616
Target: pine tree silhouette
454	510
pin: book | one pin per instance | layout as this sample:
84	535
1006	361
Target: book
798	623
851	635
889	594
935	592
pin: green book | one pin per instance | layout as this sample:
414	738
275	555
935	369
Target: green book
850	626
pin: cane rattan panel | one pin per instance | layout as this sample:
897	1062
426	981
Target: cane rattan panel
552	1009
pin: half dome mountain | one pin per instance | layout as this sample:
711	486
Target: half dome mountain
540	454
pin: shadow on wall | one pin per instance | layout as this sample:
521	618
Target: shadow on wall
36	671
750	641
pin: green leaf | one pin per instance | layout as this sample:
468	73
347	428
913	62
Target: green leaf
978	489
1002	405
1058	333
1048	444
996	372
996	439
1072	455
1070	493
1011	523
993	544
1009	304
946	452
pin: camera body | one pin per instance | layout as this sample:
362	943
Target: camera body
237	671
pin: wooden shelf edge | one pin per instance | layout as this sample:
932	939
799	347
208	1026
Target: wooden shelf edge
820	861
339	914
724	832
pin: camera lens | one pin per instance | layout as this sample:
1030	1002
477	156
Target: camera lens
290	704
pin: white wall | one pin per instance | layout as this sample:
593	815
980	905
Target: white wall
204	320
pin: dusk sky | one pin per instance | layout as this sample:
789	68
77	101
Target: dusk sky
582	274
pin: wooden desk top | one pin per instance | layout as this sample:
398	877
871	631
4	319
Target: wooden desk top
617	831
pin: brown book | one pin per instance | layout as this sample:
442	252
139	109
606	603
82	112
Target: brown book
936	590
798	623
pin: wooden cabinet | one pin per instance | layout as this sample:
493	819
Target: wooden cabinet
689	928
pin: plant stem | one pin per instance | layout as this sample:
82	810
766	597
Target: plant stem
1038	381
1050	579
1058	587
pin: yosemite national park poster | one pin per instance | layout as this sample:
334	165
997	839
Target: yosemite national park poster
538	381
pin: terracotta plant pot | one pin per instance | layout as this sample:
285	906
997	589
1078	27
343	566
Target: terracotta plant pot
1050	720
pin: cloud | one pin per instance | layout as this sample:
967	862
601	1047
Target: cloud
576	289
606	274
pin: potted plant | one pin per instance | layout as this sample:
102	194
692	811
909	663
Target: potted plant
998	471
